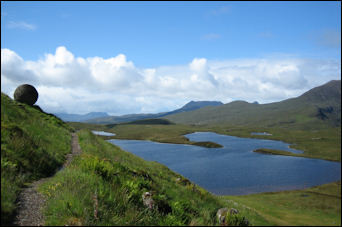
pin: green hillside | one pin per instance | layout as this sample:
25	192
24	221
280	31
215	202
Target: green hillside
318	108
102	186
116	180
33	145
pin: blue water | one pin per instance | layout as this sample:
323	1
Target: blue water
102	133
261	133
235	169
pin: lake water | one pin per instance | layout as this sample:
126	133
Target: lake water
102	133
261	133
235	169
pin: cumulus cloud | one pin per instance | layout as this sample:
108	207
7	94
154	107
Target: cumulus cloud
115	85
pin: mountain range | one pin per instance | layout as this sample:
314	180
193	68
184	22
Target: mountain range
133	117
318	107
80	117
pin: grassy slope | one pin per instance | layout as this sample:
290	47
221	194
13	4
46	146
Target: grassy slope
296	113
104	178
116	180
286	114
319	206
33	145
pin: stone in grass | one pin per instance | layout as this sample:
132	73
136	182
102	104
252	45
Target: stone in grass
222	216
147	200
26	93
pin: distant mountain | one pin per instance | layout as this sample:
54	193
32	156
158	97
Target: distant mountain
192	105
133	117
318	107
80	117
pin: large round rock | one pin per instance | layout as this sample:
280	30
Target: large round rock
26	93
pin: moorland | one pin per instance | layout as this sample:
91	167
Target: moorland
34	145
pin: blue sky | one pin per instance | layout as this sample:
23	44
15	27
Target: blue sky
171	37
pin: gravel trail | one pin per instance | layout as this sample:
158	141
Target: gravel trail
31	202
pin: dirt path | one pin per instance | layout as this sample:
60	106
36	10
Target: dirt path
31	202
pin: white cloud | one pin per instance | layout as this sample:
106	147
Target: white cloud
115	85
21	25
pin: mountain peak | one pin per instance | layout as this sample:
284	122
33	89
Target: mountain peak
329	91
200	104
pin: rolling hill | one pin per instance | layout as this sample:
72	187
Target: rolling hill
316	108
133	117
104	185
80	117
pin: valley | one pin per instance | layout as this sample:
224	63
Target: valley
116	179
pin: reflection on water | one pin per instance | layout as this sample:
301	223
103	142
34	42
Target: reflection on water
102	133
235	169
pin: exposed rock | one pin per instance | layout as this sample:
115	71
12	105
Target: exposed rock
147	200
233	211
221	214
26	93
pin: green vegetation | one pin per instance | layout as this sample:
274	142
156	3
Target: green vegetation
104	186
158	133
157	121
33	145
277	152
316	206
207	144
319	143
319	205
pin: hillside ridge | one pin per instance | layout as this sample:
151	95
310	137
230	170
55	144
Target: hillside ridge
320	106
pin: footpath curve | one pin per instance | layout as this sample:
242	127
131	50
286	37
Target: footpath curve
31	202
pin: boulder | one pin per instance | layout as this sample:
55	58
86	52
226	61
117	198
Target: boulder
223	212
26	93
147	200
233	211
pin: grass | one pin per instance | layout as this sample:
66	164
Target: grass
321	143
319	205
33	145
104	186
316	206
277	152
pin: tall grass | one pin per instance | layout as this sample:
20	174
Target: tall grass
33	145
316	206
104	186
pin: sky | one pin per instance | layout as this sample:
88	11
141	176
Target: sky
150	57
